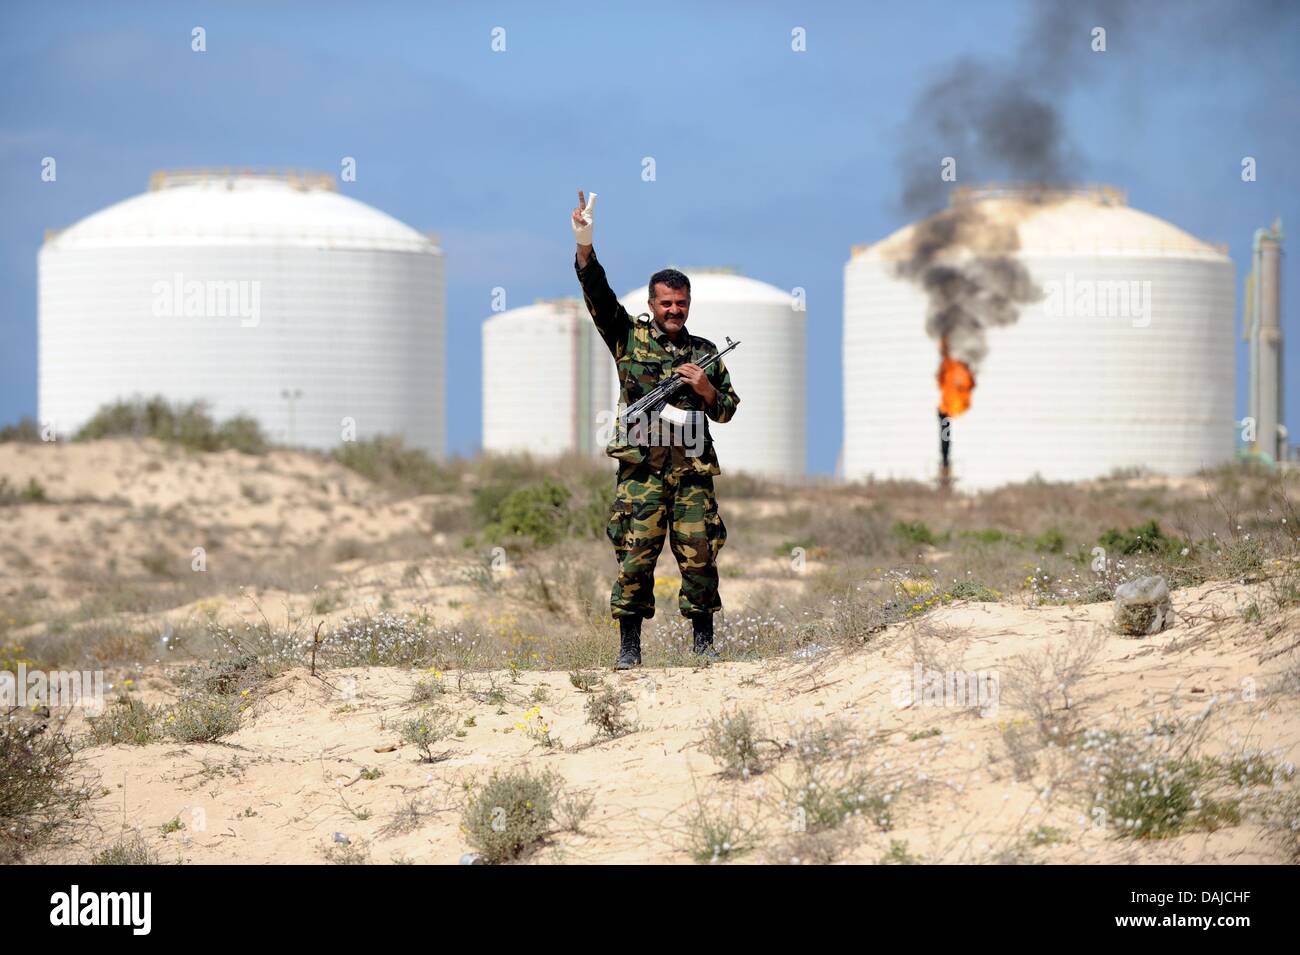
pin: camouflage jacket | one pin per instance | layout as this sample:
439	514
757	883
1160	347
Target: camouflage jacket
645	356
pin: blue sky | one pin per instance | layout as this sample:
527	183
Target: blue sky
773	160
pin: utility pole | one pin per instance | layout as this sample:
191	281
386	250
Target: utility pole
291	395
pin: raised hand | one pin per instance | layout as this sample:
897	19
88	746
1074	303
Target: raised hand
582	218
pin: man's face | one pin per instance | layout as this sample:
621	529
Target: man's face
670	307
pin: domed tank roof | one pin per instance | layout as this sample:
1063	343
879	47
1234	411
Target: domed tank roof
1045	221
227	207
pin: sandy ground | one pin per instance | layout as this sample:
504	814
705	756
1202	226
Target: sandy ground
279	789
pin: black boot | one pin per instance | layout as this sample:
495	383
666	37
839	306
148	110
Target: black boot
629	643
702	644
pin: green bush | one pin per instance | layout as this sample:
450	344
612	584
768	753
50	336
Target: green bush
25	430
39	798
203	718
605	712
187	424
511	813
386	460
428	730
381	640
10	493
126	720
915	532
1051	541
541	511
227	677
538	512
1146	788
732	739
132	851
242	433
1146	538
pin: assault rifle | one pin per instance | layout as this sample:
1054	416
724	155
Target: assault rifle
656	401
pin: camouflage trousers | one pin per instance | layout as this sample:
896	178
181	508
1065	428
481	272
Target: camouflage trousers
648	506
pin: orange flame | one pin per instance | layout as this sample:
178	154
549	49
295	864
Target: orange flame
955	384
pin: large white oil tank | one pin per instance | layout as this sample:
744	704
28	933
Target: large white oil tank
265	294
1125	361
767	435
546	379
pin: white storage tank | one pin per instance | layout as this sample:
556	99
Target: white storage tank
546	377
1125	360
767	436
265	294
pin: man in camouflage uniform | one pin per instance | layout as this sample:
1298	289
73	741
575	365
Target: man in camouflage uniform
665	487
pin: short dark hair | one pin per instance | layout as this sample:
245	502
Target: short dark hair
670	277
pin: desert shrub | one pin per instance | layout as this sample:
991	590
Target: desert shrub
407	817
32	492
1146	538
735	485
1153	787
573	809
274	649
347	853
732	740
129	850
915	532
428	730
25	431
349	548
428	688
386	460
226	677
717	831
813	848
1043	684
846	532
39	795
1281	819
187	424
605	712
898	854
584	680
202	718
538	513
242	433
972	590
1051	541
1244	558
383	639
126	720
830	783
1023	744
824	797
511	813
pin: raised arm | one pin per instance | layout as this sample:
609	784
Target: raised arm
611	318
